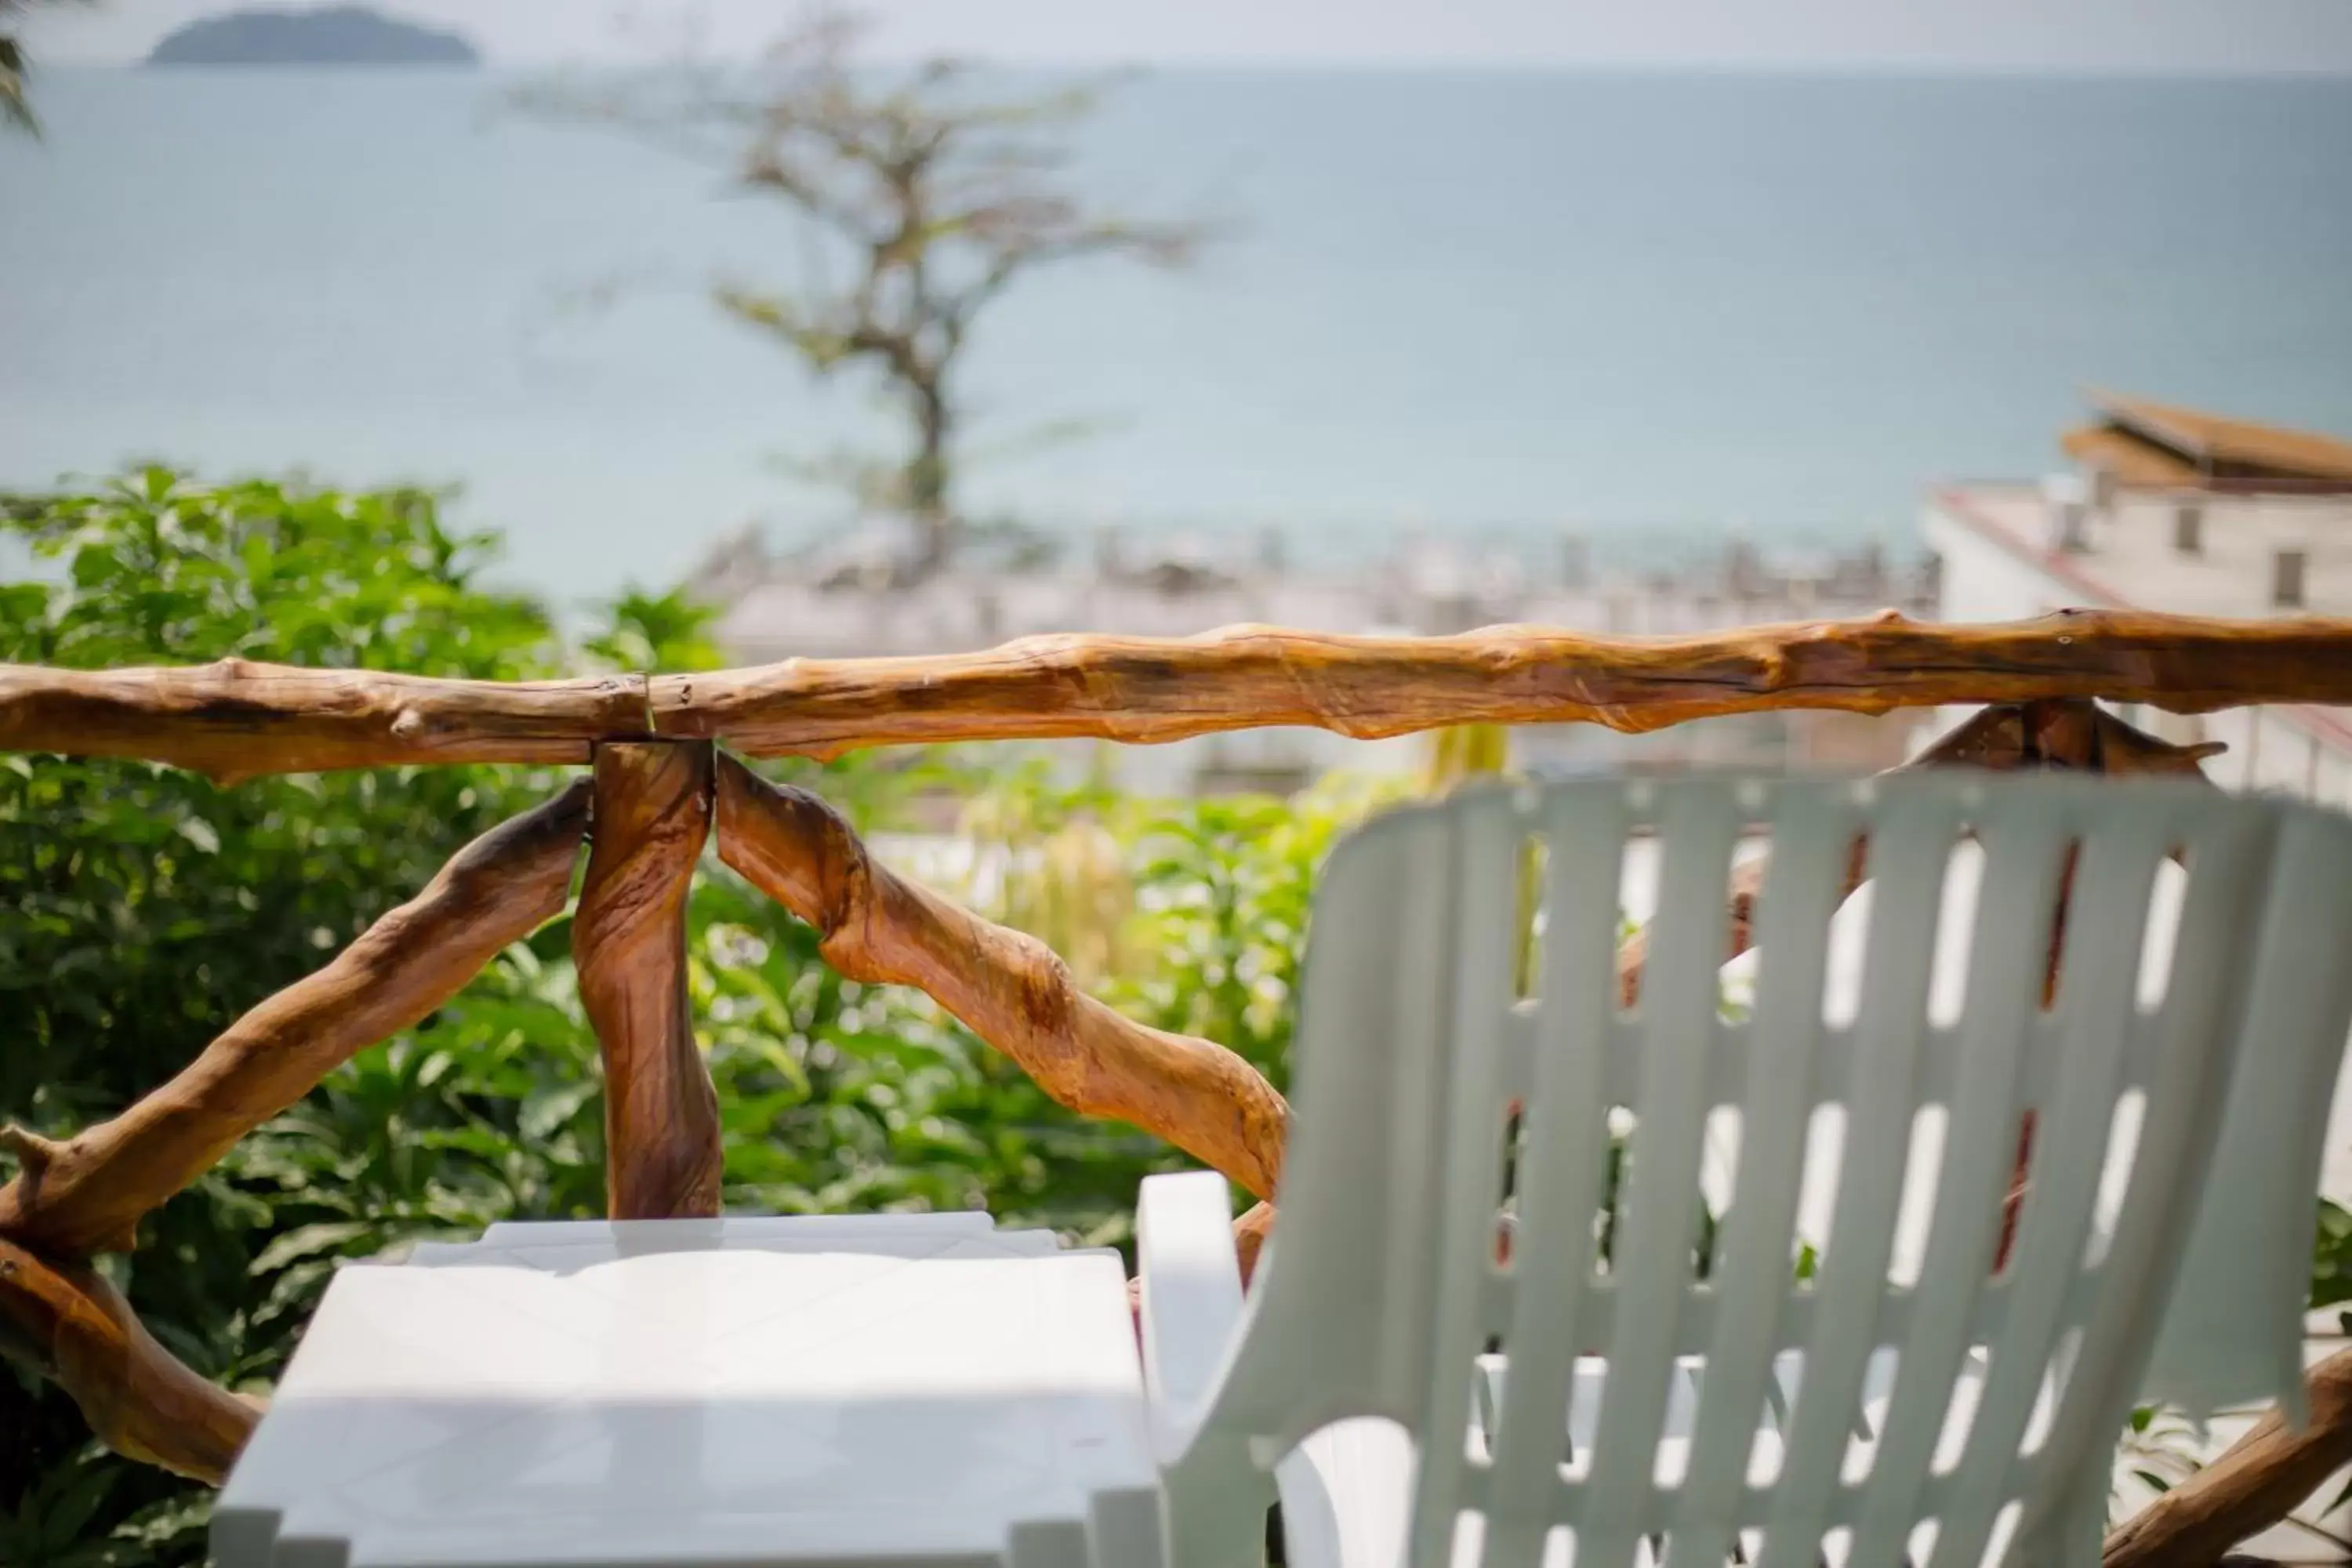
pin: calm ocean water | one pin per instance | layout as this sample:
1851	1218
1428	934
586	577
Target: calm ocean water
1640	304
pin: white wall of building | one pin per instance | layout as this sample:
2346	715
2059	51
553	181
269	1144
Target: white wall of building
2133	539
1980	581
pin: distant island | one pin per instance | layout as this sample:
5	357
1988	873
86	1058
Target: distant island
329	36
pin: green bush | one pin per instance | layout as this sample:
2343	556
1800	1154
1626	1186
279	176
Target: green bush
148	907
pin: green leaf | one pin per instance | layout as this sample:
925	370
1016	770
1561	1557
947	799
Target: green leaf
307	1241
65	1515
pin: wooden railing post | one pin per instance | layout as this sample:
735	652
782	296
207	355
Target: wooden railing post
651	814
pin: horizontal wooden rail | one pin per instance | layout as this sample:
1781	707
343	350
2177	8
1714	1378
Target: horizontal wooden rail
87	1193
1008	987
1147	690
235	720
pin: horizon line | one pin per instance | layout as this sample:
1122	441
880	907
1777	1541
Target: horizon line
1279	64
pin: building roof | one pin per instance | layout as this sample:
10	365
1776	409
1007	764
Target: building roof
2140	464
2145	443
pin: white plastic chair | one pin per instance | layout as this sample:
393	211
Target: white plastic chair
1632	1409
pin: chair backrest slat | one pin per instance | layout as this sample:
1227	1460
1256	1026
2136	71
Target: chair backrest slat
2248	1250
2107	914
1484	893
2008	959
1652	1270
1911	846
1811	834
1565	1164
2202	1041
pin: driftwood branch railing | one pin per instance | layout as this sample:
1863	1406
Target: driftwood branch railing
661	784
235	720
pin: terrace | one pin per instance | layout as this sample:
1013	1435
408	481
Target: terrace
667	768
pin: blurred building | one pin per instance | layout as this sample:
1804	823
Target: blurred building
2170	508
855	599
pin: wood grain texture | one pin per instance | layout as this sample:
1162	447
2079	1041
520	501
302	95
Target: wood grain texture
1250	1232
628	942
65	1322
236	719
88	1192
2255	1483
1149	689
1008	987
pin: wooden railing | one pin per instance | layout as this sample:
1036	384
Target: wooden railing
235	720
661	776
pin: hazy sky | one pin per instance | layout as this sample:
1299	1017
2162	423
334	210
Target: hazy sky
2044	34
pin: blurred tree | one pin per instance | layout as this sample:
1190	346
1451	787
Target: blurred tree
926	196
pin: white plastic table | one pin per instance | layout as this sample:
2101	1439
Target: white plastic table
898	1389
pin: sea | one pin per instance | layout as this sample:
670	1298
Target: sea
1648	307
